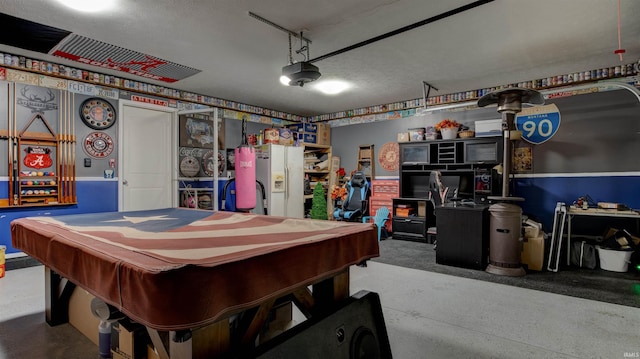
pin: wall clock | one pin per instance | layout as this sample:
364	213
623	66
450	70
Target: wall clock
98	145
388	157
97	113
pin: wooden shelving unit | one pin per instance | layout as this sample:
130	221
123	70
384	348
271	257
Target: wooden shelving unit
317	168
366	161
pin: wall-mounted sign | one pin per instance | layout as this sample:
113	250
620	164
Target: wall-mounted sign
538	124
98	145
38	157
97	53
389	156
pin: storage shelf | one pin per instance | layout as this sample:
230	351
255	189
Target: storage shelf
365	160
413	224
463	157
319	152
40	205
195	179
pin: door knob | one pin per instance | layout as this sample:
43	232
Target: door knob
125	182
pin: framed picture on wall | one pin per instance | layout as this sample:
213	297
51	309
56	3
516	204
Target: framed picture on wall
522	159
196	130
231	159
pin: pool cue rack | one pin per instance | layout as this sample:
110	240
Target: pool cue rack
41	163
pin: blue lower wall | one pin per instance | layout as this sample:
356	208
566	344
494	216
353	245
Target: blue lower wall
93	196
542	194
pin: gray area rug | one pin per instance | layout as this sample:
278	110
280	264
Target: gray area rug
594	284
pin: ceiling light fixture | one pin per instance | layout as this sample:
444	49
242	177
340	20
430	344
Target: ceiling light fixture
299	73
295	73
89	5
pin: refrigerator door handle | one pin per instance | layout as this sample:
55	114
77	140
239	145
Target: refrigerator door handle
286	181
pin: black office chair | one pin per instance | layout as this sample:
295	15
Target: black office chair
435	188
356	205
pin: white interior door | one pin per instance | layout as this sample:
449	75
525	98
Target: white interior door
146	156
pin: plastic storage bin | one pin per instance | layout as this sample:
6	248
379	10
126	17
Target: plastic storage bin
614	260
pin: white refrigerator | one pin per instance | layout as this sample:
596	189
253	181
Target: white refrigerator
280	170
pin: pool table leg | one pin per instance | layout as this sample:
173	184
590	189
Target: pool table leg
331	291
206	342
58	291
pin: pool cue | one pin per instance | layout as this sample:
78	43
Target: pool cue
16	148
16	187
61	183
10	153
66	160
73	149
63	148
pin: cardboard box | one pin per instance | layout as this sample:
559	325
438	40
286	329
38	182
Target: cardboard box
404	212
281	319
151	353
309	138
129	339
403	136
430	133
531	231
80	315
488	128
324	134
304	127
285	137
422	209
533	252
416	134
313	133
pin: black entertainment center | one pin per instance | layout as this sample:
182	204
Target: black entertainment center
466	167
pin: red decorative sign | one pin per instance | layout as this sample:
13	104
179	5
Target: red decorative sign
37	158
150	100
97	53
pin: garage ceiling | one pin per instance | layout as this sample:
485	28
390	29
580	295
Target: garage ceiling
240	58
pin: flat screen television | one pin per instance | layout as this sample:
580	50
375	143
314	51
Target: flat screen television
418	154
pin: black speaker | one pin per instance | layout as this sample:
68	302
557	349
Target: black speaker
355	330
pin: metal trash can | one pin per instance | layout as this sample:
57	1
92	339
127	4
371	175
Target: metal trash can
505	243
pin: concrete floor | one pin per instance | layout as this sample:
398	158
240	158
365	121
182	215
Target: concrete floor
428	315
